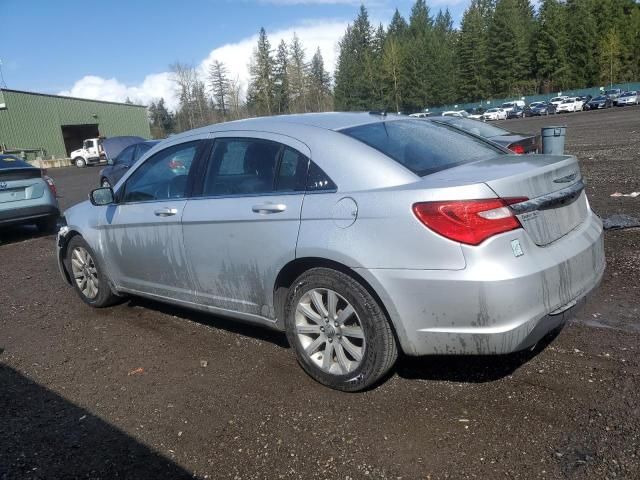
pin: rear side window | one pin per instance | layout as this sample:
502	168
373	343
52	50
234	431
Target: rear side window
9	161
423	147
126	156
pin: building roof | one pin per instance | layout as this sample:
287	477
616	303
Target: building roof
69	98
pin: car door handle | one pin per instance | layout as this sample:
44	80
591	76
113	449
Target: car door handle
165	212
266	208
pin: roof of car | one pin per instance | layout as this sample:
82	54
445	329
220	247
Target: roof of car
282	123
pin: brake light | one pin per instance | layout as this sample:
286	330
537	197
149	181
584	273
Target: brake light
516	148
51	185
469	221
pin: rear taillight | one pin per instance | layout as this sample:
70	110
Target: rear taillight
516	148
51	185
469	221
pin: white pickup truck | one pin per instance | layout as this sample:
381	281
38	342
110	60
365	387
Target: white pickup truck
90	153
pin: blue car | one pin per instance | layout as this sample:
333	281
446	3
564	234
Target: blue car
122	152
27	195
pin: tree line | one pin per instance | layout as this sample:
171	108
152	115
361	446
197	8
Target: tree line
502	48
281	81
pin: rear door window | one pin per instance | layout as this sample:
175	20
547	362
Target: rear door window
126	156
423	147
252	166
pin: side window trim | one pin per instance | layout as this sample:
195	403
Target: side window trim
200	148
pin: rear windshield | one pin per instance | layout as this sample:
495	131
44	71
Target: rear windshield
9	161
477	128
422	146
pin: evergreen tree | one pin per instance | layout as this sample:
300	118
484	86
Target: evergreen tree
393	73
398	26
443	78
352	90
419	65
219	83
297	76
610	57
319	83
553	68
582	47
471	48
260	93
281	79
508	62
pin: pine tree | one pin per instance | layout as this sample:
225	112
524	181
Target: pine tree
219	84
471	48
582	46
297	76
260	95
281	79
419	65
392	72
610	61
319	83
352	90
443	78
398	26
552	65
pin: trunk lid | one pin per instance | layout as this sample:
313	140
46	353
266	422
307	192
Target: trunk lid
20	184
553	184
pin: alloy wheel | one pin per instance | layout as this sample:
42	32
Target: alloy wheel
85	272
330	331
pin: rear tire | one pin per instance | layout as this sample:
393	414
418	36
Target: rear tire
341	336
79	162
48	224
87	276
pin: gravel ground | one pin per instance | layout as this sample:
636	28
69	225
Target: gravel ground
144	390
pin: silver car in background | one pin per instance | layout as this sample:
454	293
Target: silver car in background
358	234
27	195
629	98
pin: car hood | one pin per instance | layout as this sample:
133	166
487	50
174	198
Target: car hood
114	145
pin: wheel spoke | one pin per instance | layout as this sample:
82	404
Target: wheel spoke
306	310
78	255
332	303
342	358
316	298
354	332
356	352
344	315
327	356
313	346
306	329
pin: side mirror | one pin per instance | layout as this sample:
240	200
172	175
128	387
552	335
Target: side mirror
102	196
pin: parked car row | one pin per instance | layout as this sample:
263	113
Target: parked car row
560	104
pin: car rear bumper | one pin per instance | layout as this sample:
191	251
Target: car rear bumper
27	214
499	303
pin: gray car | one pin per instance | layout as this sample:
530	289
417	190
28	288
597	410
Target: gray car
359	235
27	195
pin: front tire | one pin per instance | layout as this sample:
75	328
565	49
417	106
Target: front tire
79	162
341	336
88	279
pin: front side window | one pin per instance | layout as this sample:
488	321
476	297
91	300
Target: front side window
251	166
162	176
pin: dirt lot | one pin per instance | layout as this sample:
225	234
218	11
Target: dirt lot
143	390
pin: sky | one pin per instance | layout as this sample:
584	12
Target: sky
115	49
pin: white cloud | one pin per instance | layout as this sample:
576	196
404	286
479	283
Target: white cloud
152	87
313	34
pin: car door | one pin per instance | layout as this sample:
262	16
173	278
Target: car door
142	232
243	226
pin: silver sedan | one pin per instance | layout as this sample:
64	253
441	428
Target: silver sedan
358	234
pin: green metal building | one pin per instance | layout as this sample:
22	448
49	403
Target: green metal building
52	126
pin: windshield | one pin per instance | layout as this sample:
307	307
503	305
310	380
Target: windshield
628	94
507	104
422	146
599	99
475	127
568	100
611	92
536	104
557	99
